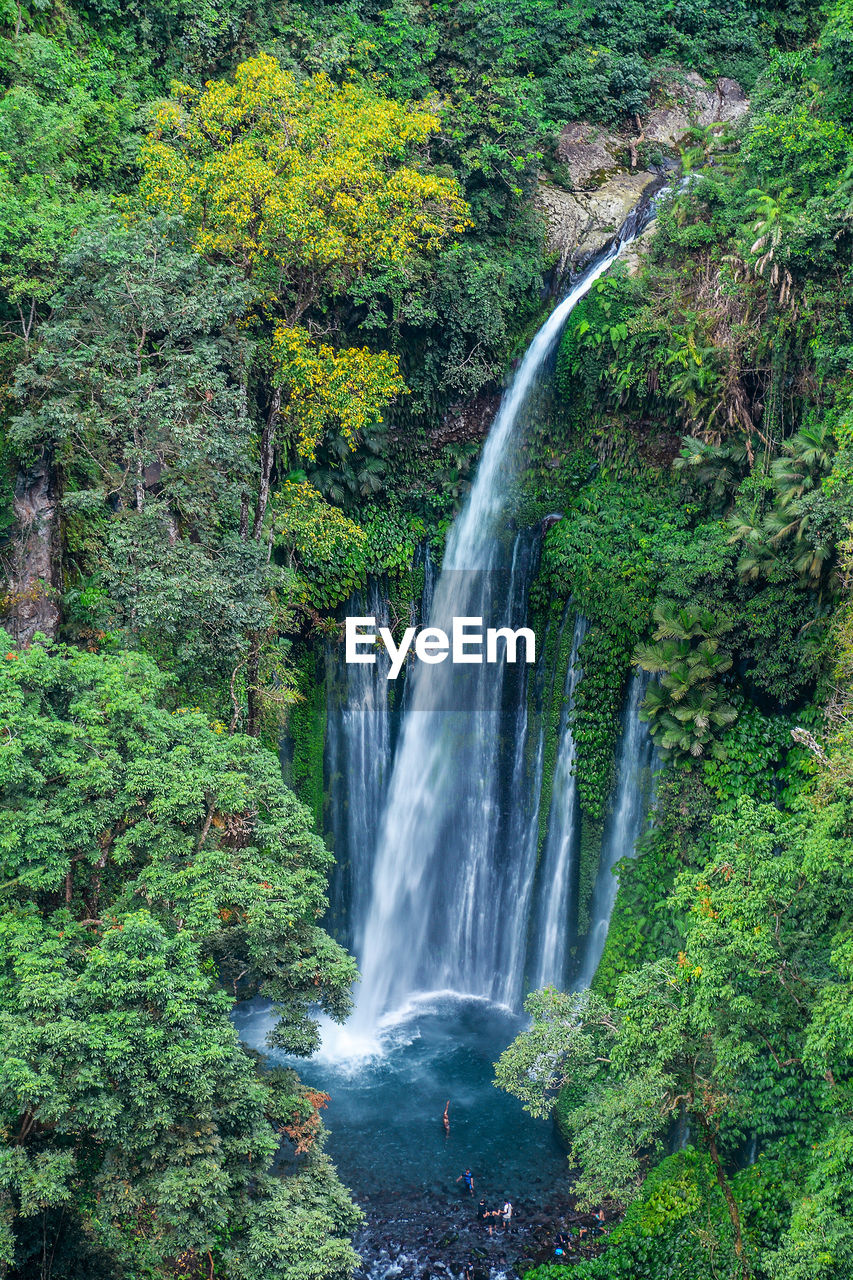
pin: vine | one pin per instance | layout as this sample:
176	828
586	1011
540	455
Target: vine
306	736
589	855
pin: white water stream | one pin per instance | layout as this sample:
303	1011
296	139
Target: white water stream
635	765
442	899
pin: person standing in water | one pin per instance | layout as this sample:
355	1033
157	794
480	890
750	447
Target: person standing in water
446	1118
469	1180
506	1214
483	1213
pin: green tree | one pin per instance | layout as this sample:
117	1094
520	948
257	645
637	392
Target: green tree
141	391
154	867
633	1066
686	709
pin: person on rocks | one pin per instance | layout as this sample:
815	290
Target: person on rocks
469	1180
446	1118
468	1271
483	1215
506	1214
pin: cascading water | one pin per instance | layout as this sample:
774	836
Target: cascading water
635	765
454	894
357	766
442	902
359	742
551	937
439	914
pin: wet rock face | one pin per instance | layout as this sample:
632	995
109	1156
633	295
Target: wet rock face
603	182
580	223
588	154
31	598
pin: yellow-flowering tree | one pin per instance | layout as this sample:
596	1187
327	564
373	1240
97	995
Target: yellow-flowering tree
302	184
303	187
322	543
346	388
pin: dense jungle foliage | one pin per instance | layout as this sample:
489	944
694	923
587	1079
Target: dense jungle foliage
262	266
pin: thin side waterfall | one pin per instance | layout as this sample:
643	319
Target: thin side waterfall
559	856
358	766
445	891
523	830
516	827
635	766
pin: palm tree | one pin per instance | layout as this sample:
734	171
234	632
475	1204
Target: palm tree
806	459
797	476
720	467
685	708
771	221
347	475
690	727
696	377
678	623
759	556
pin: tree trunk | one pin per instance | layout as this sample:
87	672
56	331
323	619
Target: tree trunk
267	457
731	1203
253	708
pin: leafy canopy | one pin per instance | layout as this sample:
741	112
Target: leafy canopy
154	866
303	184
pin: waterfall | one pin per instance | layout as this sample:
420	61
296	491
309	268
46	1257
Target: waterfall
516	822
357	767
522	838
447	890
559	855
440	909
635	763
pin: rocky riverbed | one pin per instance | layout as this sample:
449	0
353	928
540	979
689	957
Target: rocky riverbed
417	1237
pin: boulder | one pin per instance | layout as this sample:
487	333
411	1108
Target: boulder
692	101
584	151
666	125
728	103
30	603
